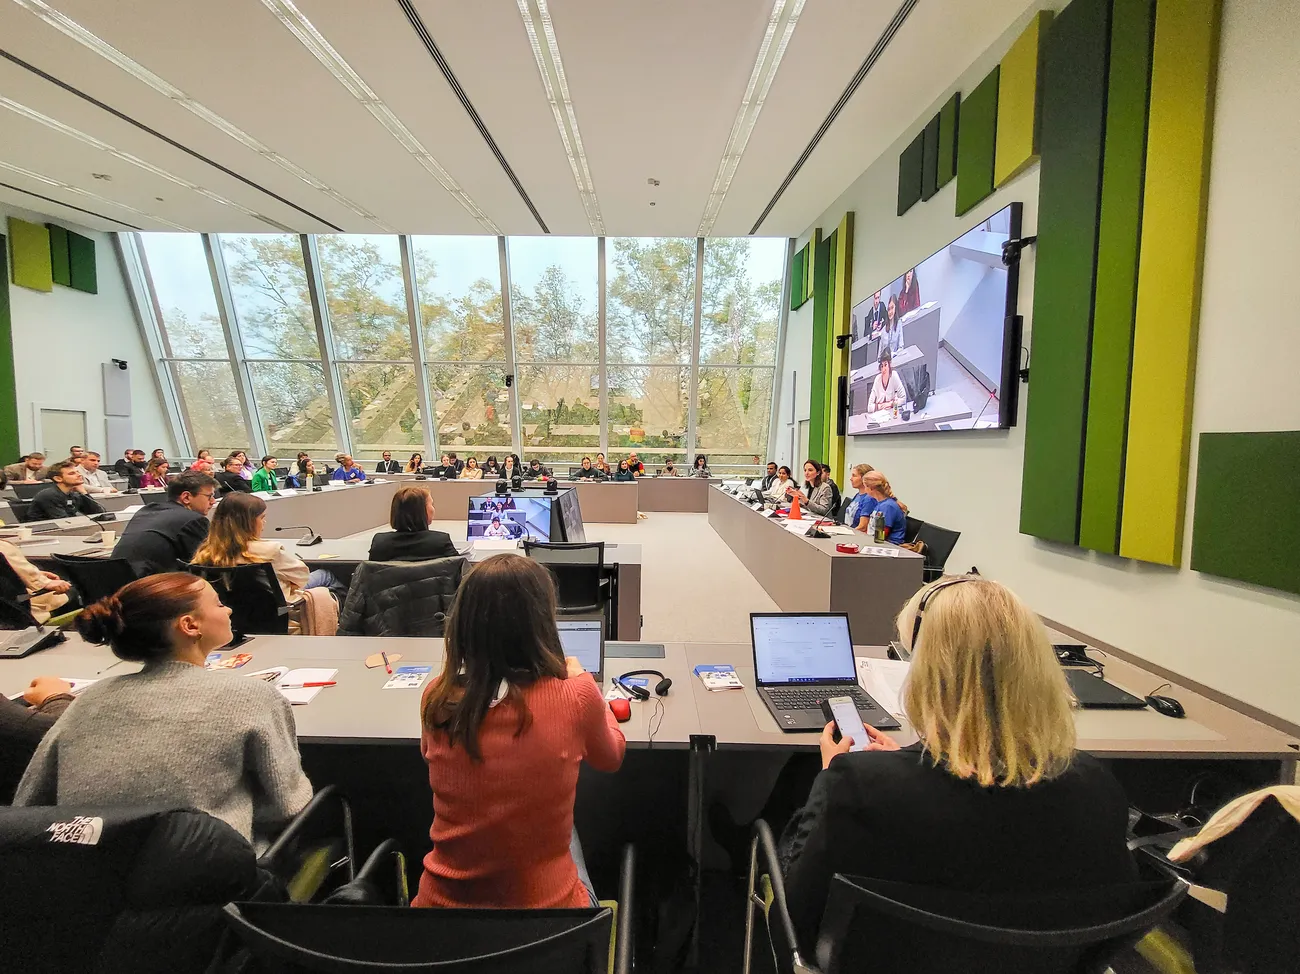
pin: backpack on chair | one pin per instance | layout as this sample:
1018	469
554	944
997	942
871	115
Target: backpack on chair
917	384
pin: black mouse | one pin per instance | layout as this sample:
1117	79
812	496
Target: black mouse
1167	706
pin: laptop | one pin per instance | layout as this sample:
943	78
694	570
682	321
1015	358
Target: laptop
800	659
585	639
1095	693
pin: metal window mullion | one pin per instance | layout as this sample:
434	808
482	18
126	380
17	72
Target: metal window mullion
516	424
234	343
782	324
430	445
601	334
144	305
692	406
325	340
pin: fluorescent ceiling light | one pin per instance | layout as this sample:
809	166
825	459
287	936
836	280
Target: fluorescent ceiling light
780	25
90	140
77	190
321	49
66	25
541	38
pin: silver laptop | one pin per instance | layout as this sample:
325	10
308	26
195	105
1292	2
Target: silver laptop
800	659
585	639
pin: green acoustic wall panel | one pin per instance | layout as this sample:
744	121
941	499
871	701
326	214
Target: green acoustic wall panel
801	277
8	384
930	159
910	163
81	257
840	325
976	142
1069	198
1254	473
947	159
1117	270
1019	91
29	249
1183	64
60	263
817	381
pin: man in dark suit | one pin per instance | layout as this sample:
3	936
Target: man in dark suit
231	478
168	531
875	317
388	464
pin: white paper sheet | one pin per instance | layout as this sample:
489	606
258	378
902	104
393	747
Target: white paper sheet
883	680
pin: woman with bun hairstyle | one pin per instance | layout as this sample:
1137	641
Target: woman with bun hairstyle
173	734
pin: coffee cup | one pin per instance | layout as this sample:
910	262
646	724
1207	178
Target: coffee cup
24	534
107	537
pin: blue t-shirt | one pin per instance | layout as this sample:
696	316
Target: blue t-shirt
861	506
342	473
895	519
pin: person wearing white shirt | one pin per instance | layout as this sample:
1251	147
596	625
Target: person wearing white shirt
96	480
496	529
887	391
775	493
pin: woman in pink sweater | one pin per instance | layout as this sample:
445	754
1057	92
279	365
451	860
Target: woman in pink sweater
505	726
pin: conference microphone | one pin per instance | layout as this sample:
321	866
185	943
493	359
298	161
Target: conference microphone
310	538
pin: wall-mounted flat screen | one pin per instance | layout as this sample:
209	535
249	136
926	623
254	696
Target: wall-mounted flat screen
938	349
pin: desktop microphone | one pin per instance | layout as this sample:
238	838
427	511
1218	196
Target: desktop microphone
310	538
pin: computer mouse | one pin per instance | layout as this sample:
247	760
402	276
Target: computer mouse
1167	706
621	709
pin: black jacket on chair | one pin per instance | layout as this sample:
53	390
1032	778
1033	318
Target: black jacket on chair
159	535
400	598
411	546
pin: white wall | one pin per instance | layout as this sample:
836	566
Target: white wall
62	337
1240	639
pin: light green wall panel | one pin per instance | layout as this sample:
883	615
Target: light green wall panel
29	244
1019	96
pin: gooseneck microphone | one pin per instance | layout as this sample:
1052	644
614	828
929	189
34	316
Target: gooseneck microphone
310	538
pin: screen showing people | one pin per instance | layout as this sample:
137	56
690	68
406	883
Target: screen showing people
509	518
927	349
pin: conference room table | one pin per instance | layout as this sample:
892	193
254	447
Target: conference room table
676	494
804	574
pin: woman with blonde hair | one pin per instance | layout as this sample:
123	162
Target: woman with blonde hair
892	511
860	507
472	470
992	798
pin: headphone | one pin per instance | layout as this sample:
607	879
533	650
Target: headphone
925	600
641	693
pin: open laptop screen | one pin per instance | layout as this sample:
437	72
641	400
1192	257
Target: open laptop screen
584	638
802	648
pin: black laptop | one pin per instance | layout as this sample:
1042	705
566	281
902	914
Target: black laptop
1094	693
800	659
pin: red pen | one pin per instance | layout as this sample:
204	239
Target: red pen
305	686
387	665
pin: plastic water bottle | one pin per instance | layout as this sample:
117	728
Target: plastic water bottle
873	525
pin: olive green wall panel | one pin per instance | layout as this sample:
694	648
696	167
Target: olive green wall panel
81	258
947	153
8	383
1069	198
841	303
29	245
1117	270
976	142
1019	97
1169	279
60	265
1254	474
930	159
817	382
910	163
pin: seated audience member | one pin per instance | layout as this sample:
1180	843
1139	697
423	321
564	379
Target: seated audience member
471	470
670	468
411	539
496	530
992	799
28	469
174	734
158	454
445	468
456	462
66	498
816	495
776	492
587	471
892	510
858	513
623	474
23	723
155	475
204	455
348	472
131	466
510	469
246	469
491	469
504	729
76	452
701	466
602	467
94	477
304	476
635	465
48	592
388	464
769	476
231	479
887	390
164	532
536	471
836	496
415	464
265	479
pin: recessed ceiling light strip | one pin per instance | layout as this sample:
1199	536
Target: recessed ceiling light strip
77	190
66	25
90	140
780	26
546	51
321	49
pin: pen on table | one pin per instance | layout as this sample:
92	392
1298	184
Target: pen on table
387	665
304	686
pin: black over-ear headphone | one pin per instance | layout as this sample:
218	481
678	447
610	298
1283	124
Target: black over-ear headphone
925	600
641	693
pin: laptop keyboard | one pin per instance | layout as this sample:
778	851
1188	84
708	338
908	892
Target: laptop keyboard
801	698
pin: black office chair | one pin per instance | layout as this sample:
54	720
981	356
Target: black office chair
21	510
343	939
26	492
939	543
95	578
282	472
15	607
581	588
254	596
913	528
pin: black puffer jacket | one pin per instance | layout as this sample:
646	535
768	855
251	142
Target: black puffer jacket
410	598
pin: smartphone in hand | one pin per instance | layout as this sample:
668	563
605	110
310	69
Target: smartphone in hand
848	722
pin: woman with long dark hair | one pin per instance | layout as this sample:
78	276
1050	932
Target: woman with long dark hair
415	464
504	729
701	466
909	299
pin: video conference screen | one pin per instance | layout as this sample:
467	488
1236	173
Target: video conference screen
930	350
509	518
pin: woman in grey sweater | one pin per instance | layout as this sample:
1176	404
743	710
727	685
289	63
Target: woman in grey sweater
173	734
817	495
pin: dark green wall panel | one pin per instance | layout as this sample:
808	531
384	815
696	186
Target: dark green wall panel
1069	200
1248	480
948	124
81	258
1117	272
8	385
977	138
930	159
819	381
910	163
60	262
